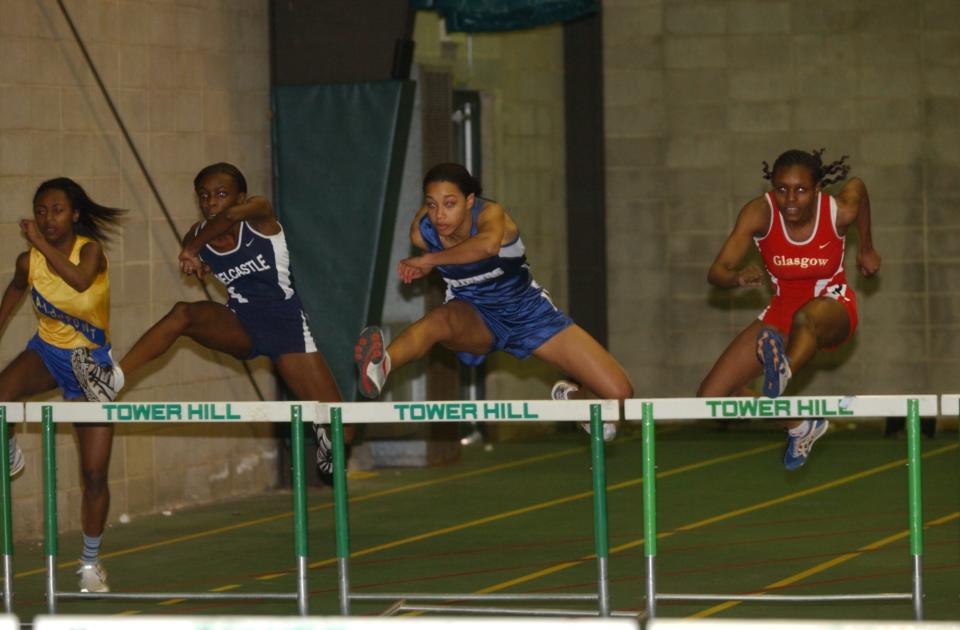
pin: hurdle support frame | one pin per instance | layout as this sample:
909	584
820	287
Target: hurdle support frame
9	412
649	411
596	411
49	414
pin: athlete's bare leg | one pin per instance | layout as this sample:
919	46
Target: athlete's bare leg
25	376
309	378
455	325
736	368
210	324
820	323
95	441
574	352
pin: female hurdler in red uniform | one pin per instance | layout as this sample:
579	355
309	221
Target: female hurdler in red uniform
800	232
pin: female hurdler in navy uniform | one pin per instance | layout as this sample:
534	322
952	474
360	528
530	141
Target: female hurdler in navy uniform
493	302
241	242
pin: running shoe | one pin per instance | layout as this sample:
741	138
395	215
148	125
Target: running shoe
100	383
324	451
776	365
562	389
16	457
372	360
93	577
799	446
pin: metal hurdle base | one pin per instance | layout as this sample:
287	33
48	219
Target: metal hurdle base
408	602
166	596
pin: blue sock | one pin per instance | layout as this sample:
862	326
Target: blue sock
91	548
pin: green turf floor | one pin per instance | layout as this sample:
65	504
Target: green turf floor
518	519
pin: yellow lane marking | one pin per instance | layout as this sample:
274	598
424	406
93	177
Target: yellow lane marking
537	506
326	505
218	589
225	587
823	566
714	519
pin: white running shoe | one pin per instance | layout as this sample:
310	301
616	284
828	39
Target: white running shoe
562	389
93	577
324	451
100	383
372	361
16	457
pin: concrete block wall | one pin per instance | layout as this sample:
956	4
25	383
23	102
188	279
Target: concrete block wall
191	81
520	75
699	93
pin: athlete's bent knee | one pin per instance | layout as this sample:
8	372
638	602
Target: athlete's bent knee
180	315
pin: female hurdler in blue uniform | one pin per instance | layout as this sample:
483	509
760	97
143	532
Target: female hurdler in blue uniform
493	302
242	244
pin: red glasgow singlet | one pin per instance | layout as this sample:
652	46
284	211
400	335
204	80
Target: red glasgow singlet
803	270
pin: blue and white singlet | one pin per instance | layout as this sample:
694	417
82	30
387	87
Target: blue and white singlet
261	291
516	309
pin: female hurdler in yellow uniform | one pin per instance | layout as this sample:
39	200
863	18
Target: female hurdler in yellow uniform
65	272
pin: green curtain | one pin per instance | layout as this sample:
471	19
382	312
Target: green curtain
479	16
338	165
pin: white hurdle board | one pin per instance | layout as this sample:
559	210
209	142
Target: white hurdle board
145	622
830	407
172	412
471	411
783	624
950	405
13	412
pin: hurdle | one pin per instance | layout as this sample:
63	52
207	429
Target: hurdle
147	622
649	411
526	411
950	406
9	412
294	412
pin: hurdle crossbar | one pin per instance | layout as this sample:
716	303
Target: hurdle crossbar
527	411
649	411
50	414
9	412
950	405
167	622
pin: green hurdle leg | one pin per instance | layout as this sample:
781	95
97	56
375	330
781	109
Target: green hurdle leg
6	512
916	503
300	546
341	518
50	505
600	537
649	507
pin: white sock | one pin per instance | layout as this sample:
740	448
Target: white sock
801	429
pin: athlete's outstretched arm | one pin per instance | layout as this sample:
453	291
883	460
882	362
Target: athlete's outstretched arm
253	209
16	289
491	227
753	220
853	204
79	276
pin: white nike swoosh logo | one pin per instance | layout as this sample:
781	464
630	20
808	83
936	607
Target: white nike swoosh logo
249	243
821	247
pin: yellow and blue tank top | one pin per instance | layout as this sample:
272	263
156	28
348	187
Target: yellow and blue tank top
67	317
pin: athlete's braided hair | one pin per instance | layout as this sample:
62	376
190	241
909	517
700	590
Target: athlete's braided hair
823	175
